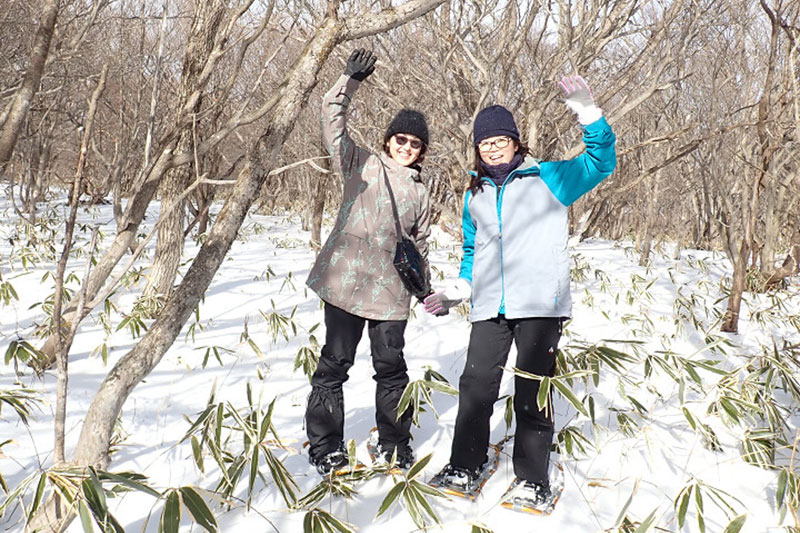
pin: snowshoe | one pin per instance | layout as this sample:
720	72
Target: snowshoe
535	498
396	461
463	483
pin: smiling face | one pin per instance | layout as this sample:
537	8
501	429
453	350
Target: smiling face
404	148
497	150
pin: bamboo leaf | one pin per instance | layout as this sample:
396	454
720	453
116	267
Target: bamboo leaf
125	480
684	506
544	393
86	517
251	482
647	523
420	497
698	497
623	512
735	525
37	497
199	510
390	498
413	509
781	492
197	452
567	393
171	514
419	466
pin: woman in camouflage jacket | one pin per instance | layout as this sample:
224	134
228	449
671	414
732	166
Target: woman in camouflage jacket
354	274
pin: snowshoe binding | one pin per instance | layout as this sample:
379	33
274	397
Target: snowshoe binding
535	498
465	483
396	460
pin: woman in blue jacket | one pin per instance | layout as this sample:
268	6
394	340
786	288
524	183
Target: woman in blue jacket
515	269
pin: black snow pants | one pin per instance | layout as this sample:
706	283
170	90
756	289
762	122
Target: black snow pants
489	344
325	410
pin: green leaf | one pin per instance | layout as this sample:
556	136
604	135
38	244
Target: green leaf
197	452
698	496
124	478
684	506
413	509
251	482
21	488
419	496
86	518
567	393
95	498
781	492
390	498
37	498
622	513
544	393
199	510
647	523
735	525
171	515
689	418
419	466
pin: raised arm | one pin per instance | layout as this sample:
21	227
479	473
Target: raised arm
569	180
345	154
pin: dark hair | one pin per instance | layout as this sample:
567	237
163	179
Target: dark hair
420	158
475	183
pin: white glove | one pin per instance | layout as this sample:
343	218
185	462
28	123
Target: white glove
440	301
578	97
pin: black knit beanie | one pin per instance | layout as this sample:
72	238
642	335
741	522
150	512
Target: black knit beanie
494	121
408	121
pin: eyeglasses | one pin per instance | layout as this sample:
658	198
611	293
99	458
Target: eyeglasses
499	143
416	144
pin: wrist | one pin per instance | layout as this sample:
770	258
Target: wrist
461	289
589	114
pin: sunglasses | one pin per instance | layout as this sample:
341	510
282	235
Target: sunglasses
416	144
502	142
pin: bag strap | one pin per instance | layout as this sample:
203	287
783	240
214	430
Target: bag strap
394	205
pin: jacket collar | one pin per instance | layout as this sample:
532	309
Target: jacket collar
412	172
528	167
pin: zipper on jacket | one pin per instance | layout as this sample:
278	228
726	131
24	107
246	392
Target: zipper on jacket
499	203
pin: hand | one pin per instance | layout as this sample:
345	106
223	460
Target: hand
361	64
576	92
436	304
578	97
440	302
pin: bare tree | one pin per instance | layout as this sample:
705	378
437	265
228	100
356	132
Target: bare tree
14	119
206	21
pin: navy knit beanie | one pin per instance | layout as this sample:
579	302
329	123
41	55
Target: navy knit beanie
408	121
494	121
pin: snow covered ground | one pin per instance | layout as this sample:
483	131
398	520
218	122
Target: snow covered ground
641	450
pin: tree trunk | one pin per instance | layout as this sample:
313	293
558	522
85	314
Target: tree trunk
649	221
730	320
205	25
169	245
9	133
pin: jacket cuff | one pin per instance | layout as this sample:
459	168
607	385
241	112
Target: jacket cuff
589	114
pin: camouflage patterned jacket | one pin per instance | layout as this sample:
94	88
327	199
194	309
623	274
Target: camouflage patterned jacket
354	269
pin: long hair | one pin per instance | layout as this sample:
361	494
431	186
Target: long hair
475	182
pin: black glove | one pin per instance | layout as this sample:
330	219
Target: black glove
361	64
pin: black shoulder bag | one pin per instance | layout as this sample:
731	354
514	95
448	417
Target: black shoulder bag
407	259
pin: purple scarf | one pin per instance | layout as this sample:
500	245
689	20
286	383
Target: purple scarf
499	173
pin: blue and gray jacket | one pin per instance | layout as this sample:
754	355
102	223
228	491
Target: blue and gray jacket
515	236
